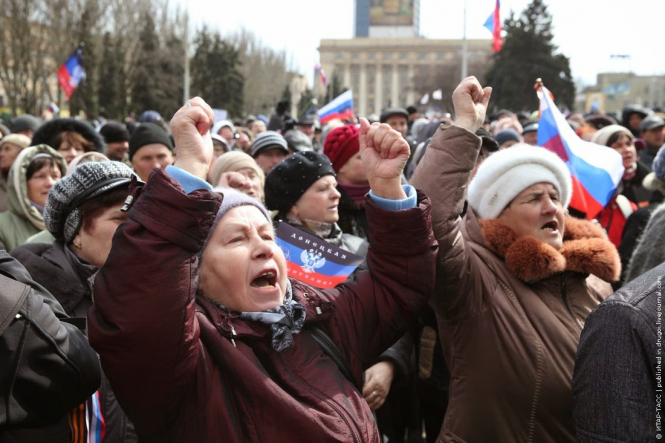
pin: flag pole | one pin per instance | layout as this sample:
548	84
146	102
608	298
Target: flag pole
185	87
464	48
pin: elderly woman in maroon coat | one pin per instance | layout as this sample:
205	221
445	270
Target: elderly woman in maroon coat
203	335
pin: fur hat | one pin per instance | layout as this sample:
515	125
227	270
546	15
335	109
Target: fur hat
48	132
341	144
62	214
234	161
510	171
148	134
290	179
268	140
603	135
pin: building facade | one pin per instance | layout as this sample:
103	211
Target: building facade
381	71
616	90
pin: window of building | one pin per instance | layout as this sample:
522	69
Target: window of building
439	55
402	55
370	55
339	56
422	55
354	56
386	55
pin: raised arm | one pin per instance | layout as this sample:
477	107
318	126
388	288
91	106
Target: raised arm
444	174
143	323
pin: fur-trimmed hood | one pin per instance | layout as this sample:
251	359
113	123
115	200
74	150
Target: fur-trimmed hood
585	250
47	132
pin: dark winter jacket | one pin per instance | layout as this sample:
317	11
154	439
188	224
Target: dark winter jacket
70	281
650	251
47	366
633	189
617	388
511	308
185	370
352	218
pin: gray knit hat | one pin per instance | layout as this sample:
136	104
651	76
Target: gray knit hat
62	215
268	140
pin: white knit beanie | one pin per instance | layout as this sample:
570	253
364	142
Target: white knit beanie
508	172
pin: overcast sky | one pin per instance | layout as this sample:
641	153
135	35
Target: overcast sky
587	31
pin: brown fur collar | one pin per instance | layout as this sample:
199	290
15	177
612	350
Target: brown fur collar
585	249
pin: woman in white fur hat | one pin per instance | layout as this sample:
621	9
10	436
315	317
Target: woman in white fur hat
516	280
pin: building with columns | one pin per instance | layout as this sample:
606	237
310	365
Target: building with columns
381	71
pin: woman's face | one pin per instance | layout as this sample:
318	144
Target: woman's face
8	153
41	183
253	187
242	267
69	151
625	146
94	243
353	172
319	203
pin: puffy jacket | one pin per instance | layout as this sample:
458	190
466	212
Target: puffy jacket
511	309
23	220
47	366
70	282
185	370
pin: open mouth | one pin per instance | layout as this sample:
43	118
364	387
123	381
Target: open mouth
266	280
550	226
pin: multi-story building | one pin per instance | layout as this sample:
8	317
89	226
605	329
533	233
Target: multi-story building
615	90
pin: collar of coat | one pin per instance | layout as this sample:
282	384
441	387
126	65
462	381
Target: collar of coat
585	250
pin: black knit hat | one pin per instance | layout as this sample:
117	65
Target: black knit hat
147	134
289	180
48	132
114	132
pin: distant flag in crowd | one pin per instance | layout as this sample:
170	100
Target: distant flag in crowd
340	108
596	170
321	73
313	260
425	99
493	23
437	95
71	73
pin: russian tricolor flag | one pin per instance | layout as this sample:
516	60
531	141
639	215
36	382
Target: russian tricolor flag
596	170
341	108
313	260
493	23
71	73
319	71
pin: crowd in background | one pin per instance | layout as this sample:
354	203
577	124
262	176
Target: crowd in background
64	188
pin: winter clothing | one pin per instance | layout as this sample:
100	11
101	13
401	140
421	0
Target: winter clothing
220	124
616	384
531	127
341	144
505	174
22	219
391	112
198	373
25	122
632	185
4	130
62	213
511	309
47	366
268	140
150	117
48	132
508	134
649	252
633	109
233	161
22	142
613	217
651	122
148	134
298	141
292	177
88	157
603	135
114	132
352	217
233	199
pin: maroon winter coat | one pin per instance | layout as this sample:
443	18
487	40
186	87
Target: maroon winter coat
169	356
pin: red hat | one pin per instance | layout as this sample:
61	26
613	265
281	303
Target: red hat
341	144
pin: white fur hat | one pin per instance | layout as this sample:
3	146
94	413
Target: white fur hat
510	171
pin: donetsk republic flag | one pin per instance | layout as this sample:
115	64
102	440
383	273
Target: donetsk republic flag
315	261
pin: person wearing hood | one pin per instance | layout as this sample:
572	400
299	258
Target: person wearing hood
632	117
33	174
10	146
82	213
226	130
221	338
149	148
652	131
68	136
516	279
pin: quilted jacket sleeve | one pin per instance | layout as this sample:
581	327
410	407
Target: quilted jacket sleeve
444	174
143	321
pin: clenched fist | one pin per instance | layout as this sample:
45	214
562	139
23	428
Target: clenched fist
191	131
384	154
470	101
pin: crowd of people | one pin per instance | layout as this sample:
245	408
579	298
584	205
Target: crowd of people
145	296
